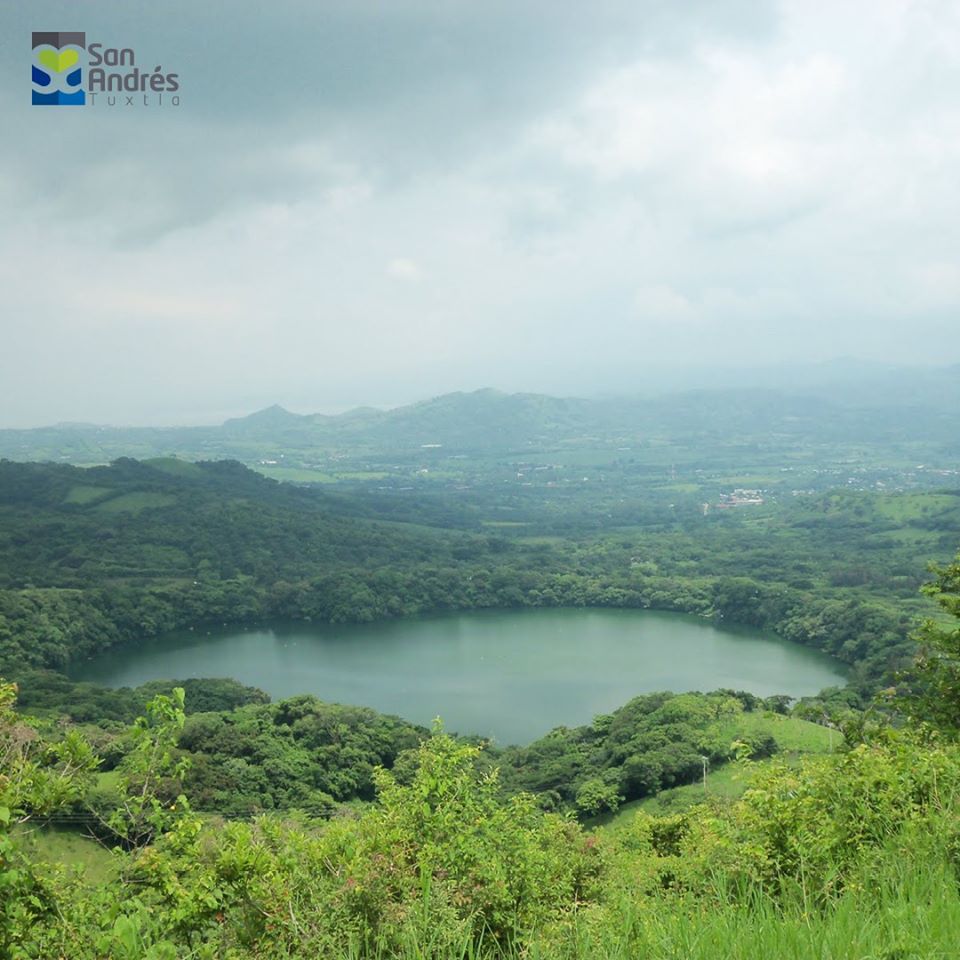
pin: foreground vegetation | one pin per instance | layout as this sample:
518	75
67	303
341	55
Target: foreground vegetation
850	854
203	821
854	851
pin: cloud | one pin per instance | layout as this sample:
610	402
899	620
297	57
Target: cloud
664	306
403	269
368	204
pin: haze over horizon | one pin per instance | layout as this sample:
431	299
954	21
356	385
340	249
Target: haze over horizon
371	206
870	383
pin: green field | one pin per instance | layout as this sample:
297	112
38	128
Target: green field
175	466
72	849
136	502
83	495
309	475
908	508
794	737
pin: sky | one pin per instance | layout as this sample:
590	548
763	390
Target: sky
360	202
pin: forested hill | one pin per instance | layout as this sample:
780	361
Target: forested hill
94	557
90	557
168	520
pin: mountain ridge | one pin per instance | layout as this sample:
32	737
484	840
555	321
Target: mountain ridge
885	408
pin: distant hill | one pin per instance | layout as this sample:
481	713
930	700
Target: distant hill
872	406
271	418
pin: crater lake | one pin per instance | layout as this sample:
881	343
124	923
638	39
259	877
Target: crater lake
510	675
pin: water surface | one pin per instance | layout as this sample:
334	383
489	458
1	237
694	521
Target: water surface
512	675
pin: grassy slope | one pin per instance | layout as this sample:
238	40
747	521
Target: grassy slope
794	737
72	849
909	914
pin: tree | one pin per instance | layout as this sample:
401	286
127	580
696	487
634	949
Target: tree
148	799
595	796
37	778
933	696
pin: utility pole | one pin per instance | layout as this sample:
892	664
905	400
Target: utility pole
705	760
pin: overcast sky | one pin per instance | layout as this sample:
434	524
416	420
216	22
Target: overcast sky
366	202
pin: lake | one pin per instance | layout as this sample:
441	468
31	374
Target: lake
512	675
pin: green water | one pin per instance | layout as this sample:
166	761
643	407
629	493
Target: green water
512	675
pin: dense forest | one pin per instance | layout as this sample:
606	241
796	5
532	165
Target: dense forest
248	756
90	558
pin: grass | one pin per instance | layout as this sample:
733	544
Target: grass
748	480
907	507
293	474
69	848
380	474
136	502
728	781
82	494
903	911
792	735
680	487
795	738
309	475
909	536
175	466
908	912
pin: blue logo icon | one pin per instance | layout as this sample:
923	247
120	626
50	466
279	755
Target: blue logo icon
57	69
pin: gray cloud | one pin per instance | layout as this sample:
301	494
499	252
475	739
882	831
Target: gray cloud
369	202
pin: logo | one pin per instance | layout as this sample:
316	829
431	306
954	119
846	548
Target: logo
66	70
57	69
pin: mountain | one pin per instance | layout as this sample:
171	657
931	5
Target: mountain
269	418
843	404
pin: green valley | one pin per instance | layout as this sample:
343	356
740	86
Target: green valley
253	827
